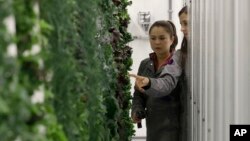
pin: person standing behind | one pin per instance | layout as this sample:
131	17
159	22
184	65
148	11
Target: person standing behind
184	20
184	117
160	108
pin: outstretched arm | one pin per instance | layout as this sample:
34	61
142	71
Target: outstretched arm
166	82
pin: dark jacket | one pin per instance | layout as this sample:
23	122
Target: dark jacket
161	101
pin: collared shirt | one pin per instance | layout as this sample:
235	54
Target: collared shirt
153	57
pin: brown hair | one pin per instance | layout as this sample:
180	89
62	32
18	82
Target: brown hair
170	28
183	10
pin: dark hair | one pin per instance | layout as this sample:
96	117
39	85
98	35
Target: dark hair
183	10
184	42
170	28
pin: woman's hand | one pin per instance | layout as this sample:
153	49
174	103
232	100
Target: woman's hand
135	119
140	82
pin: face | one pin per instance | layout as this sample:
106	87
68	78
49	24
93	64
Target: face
184	23
160	40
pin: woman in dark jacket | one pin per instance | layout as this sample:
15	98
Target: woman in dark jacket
163	94
157	92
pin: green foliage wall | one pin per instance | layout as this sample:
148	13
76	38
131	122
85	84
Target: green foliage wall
81	68
21	74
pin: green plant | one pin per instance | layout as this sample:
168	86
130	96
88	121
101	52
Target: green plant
22	118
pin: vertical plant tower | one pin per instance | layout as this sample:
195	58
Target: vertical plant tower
64	70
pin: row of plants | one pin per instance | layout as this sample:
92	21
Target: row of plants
22	116
75	56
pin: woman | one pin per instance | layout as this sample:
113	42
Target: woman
160	104
184	20
164	95
183	17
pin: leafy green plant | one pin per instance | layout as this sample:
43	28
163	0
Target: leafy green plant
115	19
22	118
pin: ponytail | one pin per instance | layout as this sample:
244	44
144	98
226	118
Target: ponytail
174	35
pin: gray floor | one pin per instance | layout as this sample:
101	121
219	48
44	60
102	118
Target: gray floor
139	138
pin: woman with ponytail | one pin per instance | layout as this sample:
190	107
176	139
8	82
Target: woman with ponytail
163	94
157	93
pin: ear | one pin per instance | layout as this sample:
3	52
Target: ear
172	39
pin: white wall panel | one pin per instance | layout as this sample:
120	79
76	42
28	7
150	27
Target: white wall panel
220	67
